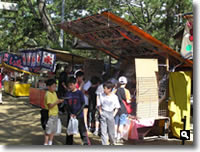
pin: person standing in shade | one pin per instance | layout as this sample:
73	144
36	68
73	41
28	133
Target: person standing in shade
120	118
108	105
80	86
62	87
92	109
74	105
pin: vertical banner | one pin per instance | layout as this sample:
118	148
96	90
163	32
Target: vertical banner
33	59
24	59
48	60
39	56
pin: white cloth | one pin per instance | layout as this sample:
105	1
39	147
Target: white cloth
108	102
99	90
86	86
5	78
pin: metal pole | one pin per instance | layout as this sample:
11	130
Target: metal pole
184	127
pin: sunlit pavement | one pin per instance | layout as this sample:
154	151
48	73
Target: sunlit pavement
20	125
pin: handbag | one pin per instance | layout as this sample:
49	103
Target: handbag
127	106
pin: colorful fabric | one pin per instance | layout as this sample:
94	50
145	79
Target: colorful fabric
131	132
187	42
179	103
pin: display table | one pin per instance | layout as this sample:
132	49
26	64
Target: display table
37	97
138	128
16	88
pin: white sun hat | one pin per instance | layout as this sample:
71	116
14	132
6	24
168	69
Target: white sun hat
122	80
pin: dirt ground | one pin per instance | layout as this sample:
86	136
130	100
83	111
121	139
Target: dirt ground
20	125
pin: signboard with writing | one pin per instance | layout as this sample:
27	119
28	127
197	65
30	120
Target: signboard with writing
39	59
15	61
48	60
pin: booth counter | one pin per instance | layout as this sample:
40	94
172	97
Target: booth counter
37	97
16	88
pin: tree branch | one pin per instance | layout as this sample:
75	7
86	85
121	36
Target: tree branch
133	14
142	10
46	20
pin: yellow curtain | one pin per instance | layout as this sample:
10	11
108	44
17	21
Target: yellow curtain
179	100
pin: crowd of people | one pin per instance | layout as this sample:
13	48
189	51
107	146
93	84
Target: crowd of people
99	105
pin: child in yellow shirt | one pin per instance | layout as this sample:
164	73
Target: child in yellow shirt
51	103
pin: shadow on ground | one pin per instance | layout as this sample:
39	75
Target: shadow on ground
20	125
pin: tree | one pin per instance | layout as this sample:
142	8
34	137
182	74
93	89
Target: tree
34	24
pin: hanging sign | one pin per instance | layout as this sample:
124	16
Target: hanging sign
39	59
48	60
15	61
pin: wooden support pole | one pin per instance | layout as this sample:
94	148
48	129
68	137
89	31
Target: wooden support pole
167	63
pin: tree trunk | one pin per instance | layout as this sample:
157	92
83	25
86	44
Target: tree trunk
46	20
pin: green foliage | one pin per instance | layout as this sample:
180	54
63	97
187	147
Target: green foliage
24	28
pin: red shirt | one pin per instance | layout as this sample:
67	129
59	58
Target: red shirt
77	86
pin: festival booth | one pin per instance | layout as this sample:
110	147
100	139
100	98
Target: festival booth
144	60
180	83
46	64
18	84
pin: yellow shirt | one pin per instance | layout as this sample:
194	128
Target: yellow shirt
127	94
51	98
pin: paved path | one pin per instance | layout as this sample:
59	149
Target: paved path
20	125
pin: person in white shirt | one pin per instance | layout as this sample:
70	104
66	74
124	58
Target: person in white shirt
108	105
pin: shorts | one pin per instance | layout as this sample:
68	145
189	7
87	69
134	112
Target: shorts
120	119
51	126
97	115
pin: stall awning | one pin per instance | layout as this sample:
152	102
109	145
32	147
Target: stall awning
119	38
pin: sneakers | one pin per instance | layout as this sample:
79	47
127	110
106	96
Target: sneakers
49	143
96	133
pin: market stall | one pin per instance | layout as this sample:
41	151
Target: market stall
38	89
18	84
144	60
